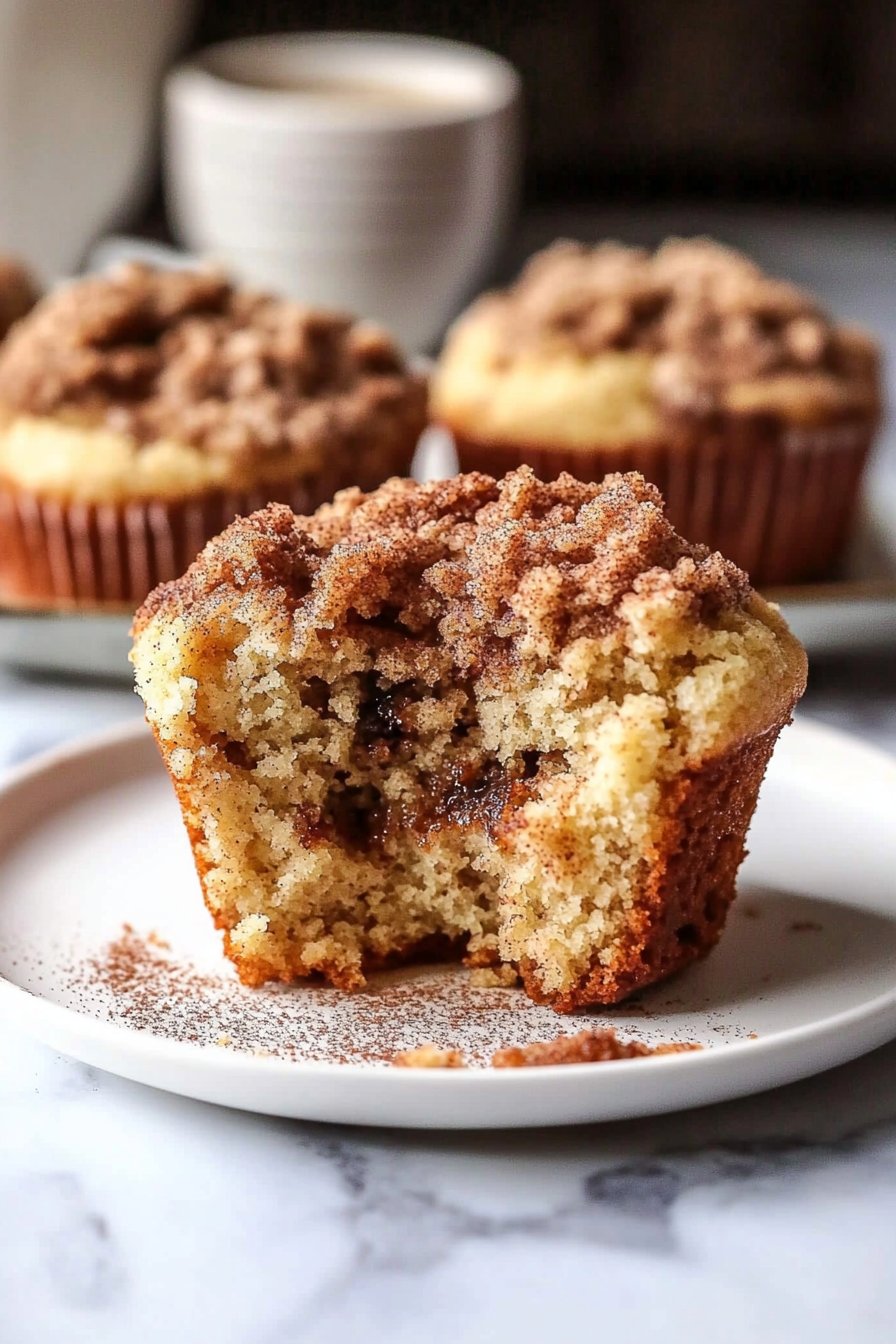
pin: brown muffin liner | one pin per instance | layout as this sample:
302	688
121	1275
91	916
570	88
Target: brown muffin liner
777	500
56	554
62	555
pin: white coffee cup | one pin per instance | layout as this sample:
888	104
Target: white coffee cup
372	173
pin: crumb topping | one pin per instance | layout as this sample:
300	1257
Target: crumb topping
502	976
708	315
18	292
588	1047
185	356
498	569
429	1057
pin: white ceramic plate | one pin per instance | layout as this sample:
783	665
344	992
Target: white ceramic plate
90	840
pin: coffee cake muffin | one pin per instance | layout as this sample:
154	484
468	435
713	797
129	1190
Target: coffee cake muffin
18	292
517	722
142	410
749	407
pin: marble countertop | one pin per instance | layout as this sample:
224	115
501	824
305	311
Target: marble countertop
130	1215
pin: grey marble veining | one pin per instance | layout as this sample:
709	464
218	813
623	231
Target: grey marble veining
129	1215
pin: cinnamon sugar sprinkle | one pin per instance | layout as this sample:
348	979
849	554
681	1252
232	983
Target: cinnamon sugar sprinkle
418	1017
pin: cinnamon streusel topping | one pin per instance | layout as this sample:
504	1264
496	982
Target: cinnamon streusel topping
709	315
184	356
509	568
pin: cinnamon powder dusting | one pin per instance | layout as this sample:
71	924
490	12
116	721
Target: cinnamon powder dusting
432	1017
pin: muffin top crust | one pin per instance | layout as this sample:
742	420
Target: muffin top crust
702	326
18	292
708	313
184	356
485	572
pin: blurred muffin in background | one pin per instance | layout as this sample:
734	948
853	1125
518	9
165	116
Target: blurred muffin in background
735	393
142	410
18	292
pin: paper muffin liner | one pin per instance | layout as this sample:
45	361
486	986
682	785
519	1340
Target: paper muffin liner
57	554
777	500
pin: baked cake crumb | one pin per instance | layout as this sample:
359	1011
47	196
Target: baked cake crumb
494	977
429	1057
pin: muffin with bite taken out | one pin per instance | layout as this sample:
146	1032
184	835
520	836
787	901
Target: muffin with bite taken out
518	723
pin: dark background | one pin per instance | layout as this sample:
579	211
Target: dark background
786	100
